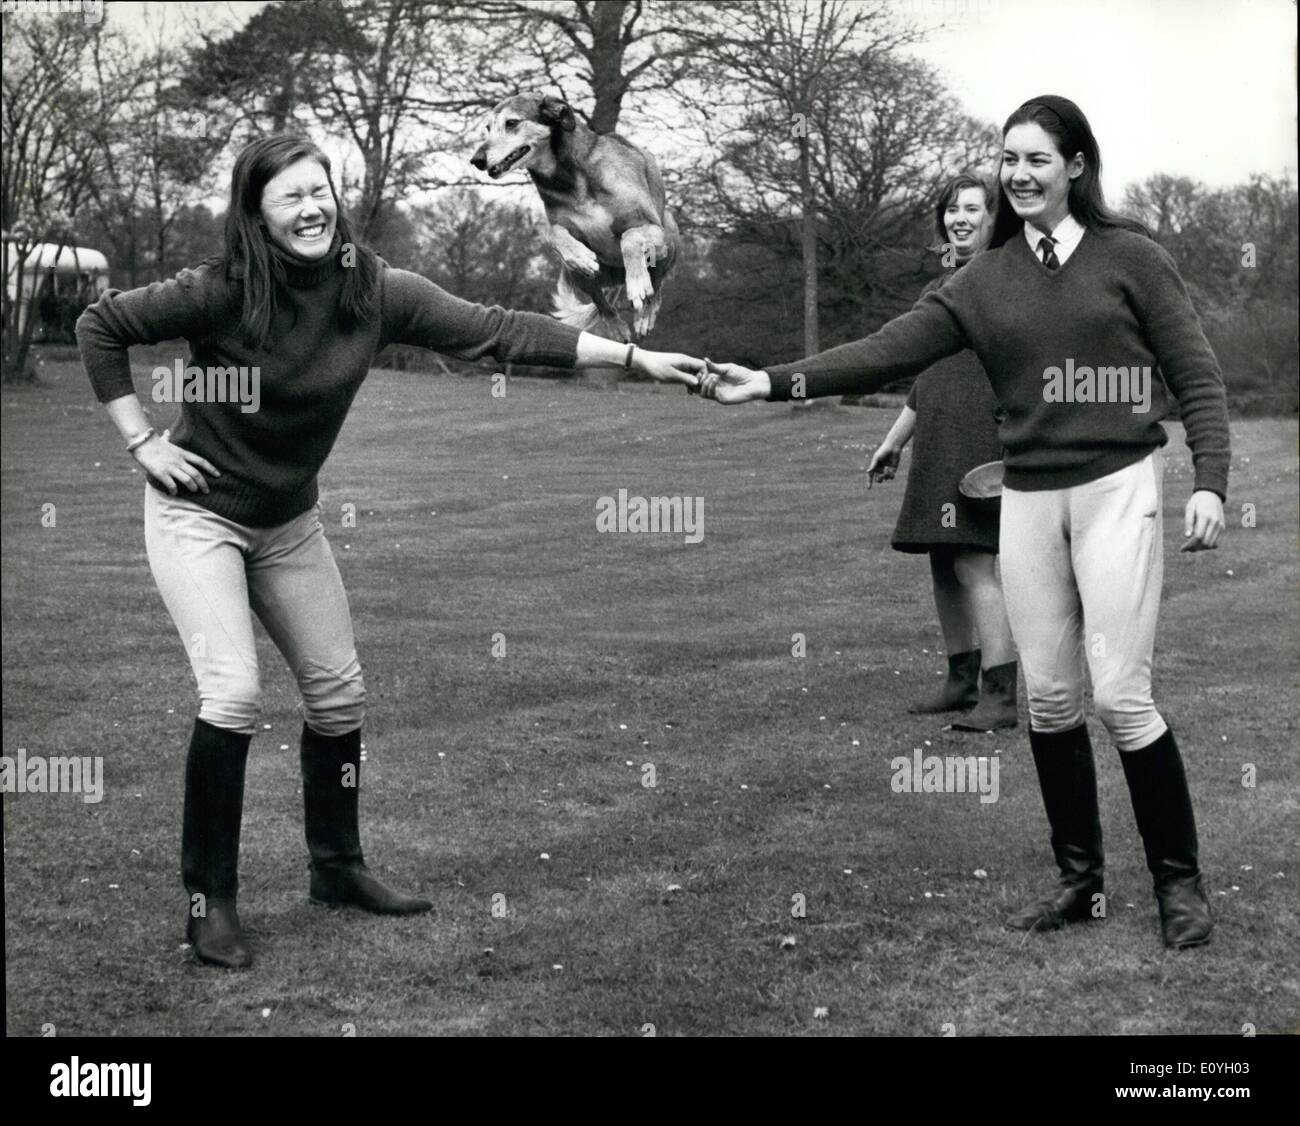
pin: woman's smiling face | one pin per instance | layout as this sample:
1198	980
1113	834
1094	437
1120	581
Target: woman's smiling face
1036	177
299	211
966	219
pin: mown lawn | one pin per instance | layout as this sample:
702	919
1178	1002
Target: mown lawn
662	905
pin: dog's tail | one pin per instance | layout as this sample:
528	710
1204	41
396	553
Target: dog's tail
572	309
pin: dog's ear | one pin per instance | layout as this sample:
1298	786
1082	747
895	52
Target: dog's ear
556	111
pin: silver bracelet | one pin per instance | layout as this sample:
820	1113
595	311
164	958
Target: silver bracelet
139	440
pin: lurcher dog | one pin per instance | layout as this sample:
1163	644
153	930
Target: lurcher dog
604	200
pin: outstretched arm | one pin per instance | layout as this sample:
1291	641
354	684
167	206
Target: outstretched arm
665	367
905	346
416	311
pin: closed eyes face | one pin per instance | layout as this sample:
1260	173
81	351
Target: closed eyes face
299	210
1036	177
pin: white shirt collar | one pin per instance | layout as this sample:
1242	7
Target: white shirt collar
1067	234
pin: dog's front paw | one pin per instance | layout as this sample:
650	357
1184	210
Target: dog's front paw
581	260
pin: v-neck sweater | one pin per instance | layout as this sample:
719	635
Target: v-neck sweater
1068	352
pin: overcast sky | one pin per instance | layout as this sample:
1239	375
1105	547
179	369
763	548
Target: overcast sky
1202	88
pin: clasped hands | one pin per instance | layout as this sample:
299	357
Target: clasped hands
724	383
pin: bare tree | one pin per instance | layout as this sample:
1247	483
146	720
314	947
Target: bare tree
260	77
786	66
155	153
606	49
372	71
824	139
477	246
50	117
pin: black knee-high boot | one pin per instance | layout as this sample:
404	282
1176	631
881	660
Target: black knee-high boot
214	807
331	782
1068	780
1162	805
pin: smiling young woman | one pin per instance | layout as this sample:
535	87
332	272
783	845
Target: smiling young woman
295	300
1066	280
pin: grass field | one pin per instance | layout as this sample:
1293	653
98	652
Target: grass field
664	905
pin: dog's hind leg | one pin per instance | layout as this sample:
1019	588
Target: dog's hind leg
643	319
597	315
642	247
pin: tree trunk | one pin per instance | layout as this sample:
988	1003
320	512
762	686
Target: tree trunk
607	81
160	235
17	365
808	203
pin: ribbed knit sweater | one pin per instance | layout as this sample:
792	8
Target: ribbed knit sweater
308	373
1117	302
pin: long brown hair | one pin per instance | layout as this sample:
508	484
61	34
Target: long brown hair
1064	122
251	267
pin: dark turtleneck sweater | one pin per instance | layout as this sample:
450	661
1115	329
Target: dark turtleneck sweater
308	372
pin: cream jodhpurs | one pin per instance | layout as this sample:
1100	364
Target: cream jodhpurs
214	574
1082	570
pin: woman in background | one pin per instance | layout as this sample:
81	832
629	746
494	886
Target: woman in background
952	415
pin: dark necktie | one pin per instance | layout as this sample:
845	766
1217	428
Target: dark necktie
1047	248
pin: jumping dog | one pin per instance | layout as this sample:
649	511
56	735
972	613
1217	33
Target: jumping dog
604	201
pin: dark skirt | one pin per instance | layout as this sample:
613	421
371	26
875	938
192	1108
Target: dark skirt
956	430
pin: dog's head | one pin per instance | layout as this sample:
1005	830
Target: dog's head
519	130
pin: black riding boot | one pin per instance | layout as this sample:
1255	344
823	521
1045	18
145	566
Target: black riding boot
1162	805
214	806
1068	781
331	781
959	692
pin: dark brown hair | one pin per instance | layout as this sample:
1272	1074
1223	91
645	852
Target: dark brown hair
254	270
1064	122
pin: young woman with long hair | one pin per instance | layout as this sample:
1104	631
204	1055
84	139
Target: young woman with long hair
953	417
232	520
1075	314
